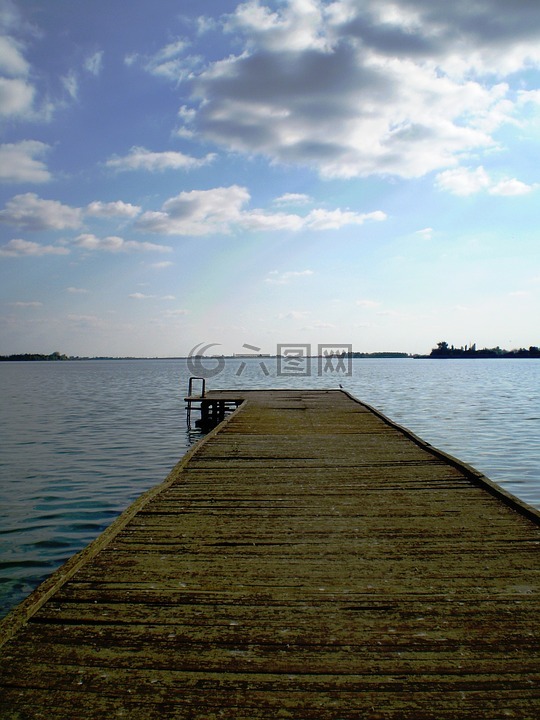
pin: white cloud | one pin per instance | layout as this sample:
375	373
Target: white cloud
335	219
473	35
203	212
425	233
115	244
526	97
76	291
198	212
16	97
207	24
353	89
16	92
260	220
318	219
176	313
300	26
171	62
30	212
71	85
19	162
464	181
140	158
112	209
512	187
94	63
12	61
27	248
141	296
30	304
276	278
162	265
186	115
131	59
293	199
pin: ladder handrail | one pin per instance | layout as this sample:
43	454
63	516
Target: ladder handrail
190	386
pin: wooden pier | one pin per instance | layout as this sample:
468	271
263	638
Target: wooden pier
308	559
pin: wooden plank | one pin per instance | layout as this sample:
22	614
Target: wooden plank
308	559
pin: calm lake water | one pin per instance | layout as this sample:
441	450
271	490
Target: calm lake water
81	440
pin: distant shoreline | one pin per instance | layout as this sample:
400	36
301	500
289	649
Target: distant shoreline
31	357
439	353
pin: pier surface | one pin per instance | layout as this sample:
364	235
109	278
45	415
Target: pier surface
307	560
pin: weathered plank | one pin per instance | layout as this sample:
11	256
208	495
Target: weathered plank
307	560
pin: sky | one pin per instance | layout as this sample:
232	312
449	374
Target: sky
268	172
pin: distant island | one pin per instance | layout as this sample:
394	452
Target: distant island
35	356
443	350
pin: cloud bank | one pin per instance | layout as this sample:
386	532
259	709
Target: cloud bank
140	158
30	212
21	162
222	210
353	89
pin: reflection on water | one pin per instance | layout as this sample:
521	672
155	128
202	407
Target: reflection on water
82	440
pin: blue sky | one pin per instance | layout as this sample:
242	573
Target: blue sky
264	172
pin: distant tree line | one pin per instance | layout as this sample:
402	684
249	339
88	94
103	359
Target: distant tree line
443	350
384	354
35	356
